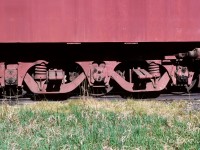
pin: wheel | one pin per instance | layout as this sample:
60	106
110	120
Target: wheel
190	87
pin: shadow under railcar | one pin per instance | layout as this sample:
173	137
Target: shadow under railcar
70	52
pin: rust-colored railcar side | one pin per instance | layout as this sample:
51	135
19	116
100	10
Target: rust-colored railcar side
99	20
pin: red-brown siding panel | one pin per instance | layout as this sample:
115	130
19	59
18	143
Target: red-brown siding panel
99	20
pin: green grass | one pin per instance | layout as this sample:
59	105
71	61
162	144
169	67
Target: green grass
90	124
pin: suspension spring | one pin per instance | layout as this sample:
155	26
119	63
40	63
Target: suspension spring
154	69
41	71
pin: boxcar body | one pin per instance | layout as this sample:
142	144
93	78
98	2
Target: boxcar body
99	20
97	46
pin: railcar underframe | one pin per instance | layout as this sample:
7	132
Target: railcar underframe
100	76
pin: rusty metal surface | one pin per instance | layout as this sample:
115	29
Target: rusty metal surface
99	20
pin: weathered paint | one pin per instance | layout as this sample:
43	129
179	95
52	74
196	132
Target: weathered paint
99	20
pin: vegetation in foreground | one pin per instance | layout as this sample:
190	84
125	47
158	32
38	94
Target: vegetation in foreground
90	124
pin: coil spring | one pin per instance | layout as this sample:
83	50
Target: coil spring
154	69
41	71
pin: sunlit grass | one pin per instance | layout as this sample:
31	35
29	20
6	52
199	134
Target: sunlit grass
91	124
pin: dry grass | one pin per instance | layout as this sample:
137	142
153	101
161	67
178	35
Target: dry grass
178	110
